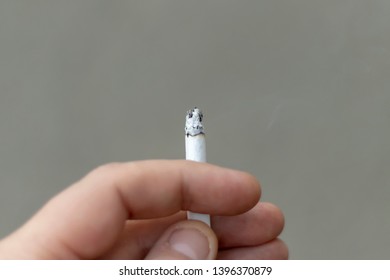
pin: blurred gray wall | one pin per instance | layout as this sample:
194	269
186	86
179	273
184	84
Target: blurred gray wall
305	85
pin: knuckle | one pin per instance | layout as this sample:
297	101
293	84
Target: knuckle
105	169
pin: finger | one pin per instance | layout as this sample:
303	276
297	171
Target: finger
139	236
262	223
259	225
186	240
273	250
85	220
151	189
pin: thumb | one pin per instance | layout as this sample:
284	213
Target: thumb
186	240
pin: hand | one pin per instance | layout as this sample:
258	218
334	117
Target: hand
137	210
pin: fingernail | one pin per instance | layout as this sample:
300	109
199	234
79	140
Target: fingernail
190	242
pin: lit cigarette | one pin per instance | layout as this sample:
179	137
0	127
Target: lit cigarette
195	149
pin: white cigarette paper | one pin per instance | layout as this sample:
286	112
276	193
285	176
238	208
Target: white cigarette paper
196	149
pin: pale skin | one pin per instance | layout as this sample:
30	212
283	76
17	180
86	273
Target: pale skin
137	210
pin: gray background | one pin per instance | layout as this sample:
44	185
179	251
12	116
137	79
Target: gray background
296	92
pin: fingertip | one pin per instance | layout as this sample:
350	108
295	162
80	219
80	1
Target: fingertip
275	215
249	189
186	240
254	183
284	251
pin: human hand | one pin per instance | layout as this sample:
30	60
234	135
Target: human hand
137	210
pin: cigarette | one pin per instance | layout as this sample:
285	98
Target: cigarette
195	149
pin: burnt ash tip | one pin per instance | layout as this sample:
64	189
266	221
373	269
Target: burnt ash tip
194	119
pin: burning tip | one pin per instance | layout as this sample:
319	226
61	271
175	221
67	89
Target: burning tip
194	124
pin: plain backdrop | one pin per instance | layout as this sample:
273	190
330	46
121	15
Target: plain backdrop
295	92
